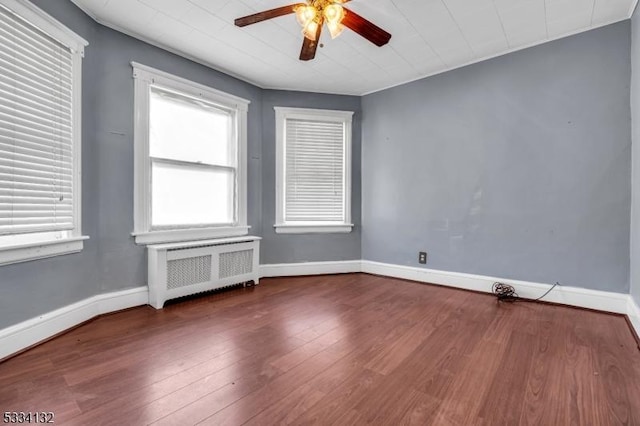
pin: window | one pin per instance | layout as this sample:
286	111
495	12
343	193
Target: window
40	83
313	170
190	165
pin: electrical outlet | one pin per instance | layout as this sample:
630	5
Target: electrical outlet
422	257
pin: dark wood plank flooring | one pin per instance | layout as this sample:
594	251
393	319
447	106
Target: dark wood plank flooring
343	349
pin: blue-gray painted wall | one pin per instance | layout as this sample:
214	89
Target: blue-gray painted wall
111	260
517	167
122	263
635	136
284	248
34	288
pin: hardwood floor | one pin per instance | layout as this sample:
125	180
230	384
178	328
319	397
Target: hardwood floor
343	349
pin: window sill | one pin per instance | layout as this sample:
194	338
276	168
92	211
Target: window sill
40	250
178	235
313	229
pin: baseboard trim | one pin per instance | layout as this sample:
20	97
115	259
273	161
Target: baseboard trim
26	334
573	296
309	268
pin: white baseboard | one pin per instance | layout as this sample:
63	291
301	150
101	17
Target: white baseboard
27	333
573	296
634	315
23	335
584	298
309	268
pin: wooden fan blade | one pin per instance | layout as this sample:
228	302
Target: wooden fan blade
308	49
366	29
267	14
309	46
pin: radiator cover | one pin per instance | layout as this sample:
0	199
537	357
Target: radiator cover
182	269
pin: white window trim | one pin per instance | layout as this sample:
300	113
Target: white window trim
73	243
345	117
52	27
144	77
33	251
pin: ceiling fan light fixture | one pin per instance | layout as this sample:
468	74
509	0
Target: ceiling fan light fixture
305	14
311	16
335	29
310	30
334	13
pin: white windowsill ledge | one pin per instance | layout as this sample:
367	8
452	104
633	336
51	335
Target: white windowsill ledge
179	235
312	229
40	250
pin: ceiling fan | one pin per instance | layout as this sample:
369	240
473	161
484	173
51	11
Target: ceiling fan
313	14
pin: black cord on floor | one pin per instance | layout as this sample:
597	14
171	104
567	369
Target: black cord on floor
548	291
506	293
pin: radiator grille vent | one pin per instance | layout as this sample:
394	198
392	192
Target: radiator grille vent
184	272
235	263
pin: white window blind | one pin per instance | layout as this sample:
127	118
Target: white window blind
314	171
36	141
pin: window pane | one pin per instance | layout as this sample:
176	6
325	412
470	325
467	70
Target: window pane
187	129
191	195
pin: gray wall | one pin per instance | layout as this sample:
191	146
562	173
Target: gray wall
517	167
289	248
635	135
33	288
122	263
110	260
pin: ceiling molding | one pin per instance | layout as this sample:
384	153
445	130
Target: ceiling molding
489	57
633	7
439	37
169	49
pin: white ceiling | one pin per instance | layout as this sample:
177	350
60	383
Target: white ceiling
429	36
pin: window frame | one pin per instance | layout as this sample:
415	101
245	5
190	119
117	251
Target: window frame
145	77
345	117
39	245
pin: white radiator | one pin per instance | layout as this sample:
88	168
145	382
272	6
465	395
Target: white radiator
181	269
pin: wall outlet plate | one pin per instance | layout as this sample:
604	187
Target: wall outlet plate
422	257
